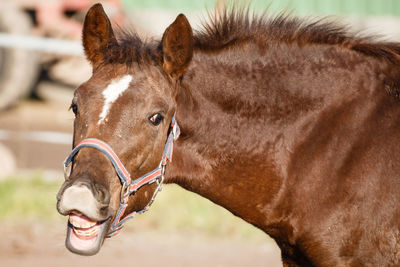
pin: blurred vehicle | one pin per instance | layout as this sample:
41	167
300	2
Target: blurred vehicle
22	65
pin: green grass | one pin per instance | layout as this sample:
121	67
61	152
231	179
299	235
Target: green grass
22	198
175	209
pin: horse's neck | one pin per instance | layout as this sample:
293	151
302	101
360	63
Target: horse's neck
241	116
223	153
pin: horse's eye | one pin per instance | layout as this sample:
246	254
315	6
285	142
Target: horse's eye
74	109
156	119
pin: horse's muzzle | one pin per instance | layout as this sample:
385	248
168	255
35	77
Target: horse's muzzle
87	206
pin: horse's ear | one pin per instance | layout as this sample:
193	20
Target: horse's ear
177	47
97	34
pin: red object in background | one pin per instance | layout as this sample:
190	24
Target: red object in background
52	20
57	19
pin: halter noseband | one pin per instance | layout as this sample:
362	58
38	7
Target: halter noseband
129	187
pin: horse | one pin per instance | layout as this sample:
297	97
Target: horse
291	125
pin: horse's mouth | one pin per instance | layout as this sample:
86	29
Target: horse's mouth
85	236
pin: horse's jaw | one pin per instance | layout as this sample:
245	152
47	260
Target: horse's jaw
85	237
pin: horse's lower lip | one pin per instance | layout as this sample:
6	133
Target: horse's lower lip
86	241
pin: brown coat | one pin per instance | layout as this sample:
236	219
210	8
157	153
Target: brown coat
292	126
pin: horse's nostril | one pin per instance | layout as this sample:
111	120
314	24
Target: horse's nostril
102	194
104	211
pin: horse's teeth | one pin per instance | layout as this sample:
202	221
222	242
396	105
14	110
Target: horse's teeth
86	233
83	228
81	224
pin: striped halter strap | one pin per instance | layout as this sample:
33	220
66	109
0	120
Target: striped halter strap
129	186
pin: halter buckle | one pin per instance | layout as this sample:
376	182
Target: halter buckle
162	177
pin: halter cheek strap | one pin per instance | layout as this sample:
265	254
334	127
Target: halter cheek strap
129	187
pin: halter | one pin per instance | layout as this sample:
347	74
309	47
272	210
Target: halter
129	187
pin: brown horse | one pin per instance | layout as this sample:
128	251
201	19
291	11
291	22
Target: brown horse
292	126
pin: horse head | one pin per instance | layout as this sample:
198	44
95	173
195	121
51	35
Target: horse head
123	116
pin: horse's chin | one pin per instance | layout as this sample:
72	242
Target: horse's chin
85	237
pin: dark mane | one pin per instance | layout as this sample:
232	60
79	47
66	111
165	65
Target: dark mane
131	48
237	25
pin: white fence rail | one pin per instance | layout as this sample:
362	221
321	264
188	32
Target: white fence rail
47	45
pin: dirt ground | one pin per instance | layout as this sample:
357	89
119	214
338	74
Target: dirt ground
43	245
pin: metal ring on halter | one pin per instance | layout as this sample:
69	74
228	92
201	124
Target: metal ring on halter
124	193
162	174
67	170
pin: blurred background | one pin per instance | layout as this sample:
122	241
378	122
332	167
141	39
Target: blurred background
41	62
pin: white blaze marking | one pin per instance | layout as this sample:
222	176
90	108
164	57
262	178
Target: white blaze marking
112	92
